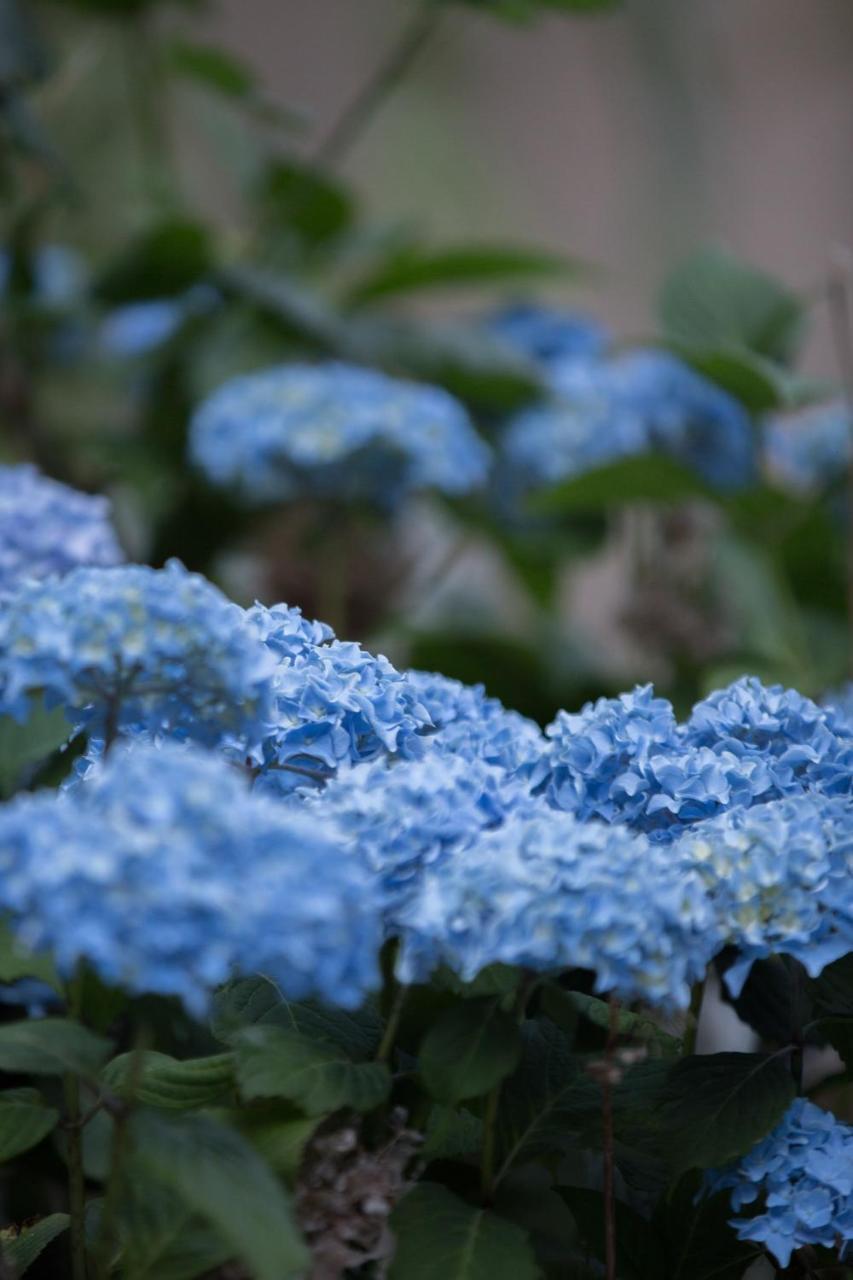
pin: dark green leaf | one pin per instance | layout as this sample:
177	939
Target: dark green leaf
440	1235
213	67
716	1106
758	383
646	477
24	745
249	1002
306	202
16	962
633	1026
25	1118
22	55
278	1133
272	1062
639	1251
468	1051
21	1251
713	301
415	269
833	989
495	980
214	1173
51	1046
160	1081
162	1240
839	1033
302	315
698	1241
776	1000
451	1132
163	262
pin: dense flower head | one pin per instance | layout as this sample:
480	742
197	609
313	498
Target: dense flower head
548	335
334	703
800	1177
168	875
547	892
134	649
809	449
839	703
471	725
637	402
47	528
335	431
780	879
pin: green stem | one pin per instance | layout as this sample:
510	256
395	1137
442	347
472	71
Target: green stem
608	1141
487	1165
383	1053
112	1195
388	75
76	1175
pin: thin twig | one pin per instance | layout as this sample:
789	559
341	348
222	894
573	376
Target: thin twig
608	1141
841	316
74	1149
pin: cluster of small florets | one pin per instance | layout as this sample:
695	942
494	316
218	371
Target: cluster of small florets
638	402
550	336
47	529
335	431
334	703
810	449
132	650
167	874
469	724
547	892
801	1178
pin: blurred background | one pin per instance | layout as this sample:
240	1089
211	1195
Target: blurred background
193	191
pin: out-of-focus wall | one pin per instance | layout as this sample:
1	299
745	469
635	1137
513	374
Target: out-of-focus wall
626	139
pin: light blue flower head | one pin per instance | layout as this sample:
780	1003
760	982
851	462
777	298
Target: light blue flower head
135	649
800	1177
809	449
335	431
548	335
47	529
334	703
472	726
780	879
548	892
167	875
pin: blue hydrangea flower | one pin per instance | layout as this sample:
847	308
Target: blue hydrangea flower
780	879
46	528
548	892
135	649
58	275
334	703
335	431
472	726
168	875
801	743
801	1178
809	449
839	703
137	328
548	335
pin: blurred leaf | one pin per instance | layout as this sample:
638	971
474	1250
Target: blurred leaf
51	1046
25	1118
712	301
493	980
303	315
212	1171
440	1235
17	962
839	1033
525	10
21	1249
248	1002
213	67
647	477
833	989
278	1133
459	267
161	263
25	745
161	1239
698	1242
639	1250
776	1000
468	1050
161	1081
759	605
272	1062
306	202
758	383
634	1026
451	1132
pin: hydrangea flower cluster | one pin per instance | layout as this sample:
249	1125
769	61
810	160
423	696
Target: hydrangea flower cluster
780	879
549	336
334	703
471	725
637	402
47	529
168	875
809	449
548	892
801	1174
335	431
133	649
137	328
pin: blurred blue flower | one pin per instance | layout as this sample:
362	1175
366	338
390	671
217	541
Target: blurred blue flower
58	275
548	892
136	328
809	449
780	880
135	649
47	529
548	335
472	726
334	703
801	1178
335	431
167	875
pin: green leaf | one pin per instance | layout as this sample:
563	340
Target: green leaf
714	1107
451	1132
16	962
160	1081
306	202
634	1026
212	1171
272	1062
639	1253
468	1051
833	989
213	67
440	1235
23	57
698	1242
714	301
249	1002
21	1250
278	1133
760	384
776	1000
461	266
495	980
25	1118
162	262
302	314
647	477
51	1046
839	1033
24	745
162	1240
